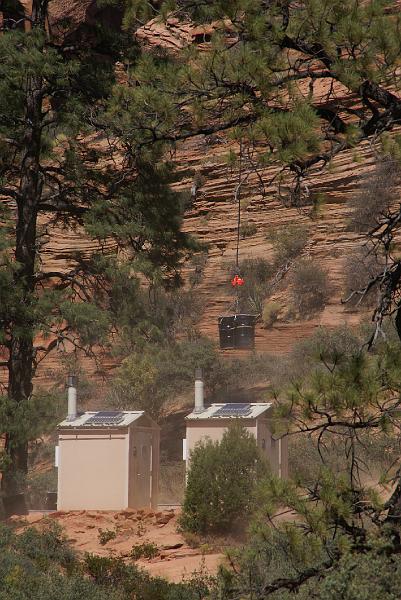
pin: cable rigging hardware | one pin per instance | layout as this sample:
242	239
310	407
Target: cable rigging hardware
237	328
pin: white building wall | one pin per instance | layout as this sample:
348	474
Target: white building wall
93	471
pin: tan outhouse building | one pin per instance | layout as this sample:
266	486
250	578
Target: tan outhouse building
212	421
256	418
107	461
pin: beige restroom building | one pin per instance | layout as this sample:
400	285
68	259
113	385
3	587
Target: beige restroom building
210	422
257	418
107	461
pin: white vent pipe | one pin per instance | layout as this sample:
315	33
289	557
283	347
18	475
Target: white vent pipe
72	398
199	392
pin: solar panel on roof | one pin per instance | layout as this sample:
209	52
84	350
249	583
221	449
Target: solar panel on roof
233	410
105	417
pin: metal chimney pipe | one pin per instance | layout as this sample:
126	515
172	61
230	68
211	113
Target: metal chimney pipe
199	392
72	397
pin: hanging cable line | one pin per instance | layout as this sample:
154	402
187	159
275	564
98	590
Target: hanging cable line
237	330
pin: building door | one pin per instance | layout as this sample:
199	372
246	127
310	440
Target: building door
143	469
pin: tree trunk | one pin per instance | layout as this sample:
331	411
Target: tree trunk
21	356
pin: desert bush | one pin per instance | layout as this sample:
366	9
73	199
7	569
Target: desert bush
45	547
258	270
378	191
359	268
148	379
247	229
173	312
132	582
155	315
310	287
40	565
305	463
270	314
288	242
198	263
334	346
221	479
145	550
106	535
280	554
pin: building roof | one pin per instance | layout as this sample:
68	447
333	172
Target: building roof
251	411
126	417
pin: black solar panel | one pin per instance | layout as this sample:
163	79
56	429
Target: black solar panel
233	410
105	417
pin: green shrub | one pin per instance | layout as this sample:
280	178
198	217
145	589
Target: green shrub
359	268
247	229
105	535
270	314
258	270
310	287
148	379
145	550
40	565
288	242
6	536
377	193
221	481
198	263
134	583
46	547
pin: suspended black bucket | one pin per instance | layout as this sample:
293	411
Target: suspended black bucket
14	505
237	331
226	332
244	331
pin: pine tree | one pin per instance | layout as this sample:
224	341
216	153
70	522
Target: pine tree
72	155
342	504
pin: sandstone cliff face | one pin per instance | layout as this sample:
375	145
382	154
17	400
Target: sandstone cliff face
212	217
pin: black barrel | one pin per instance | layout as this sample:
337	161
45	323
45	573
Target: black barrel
226	332
244	336
14	505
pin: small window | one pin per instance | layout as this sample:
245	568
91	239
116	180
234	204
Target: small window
263	444
144	451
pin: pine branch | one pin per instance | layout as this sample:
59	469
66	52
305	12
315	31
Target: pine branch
315	51
293	584
5	191
70	209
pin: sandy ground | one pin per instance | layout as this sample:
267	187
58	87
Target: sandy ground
175	559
